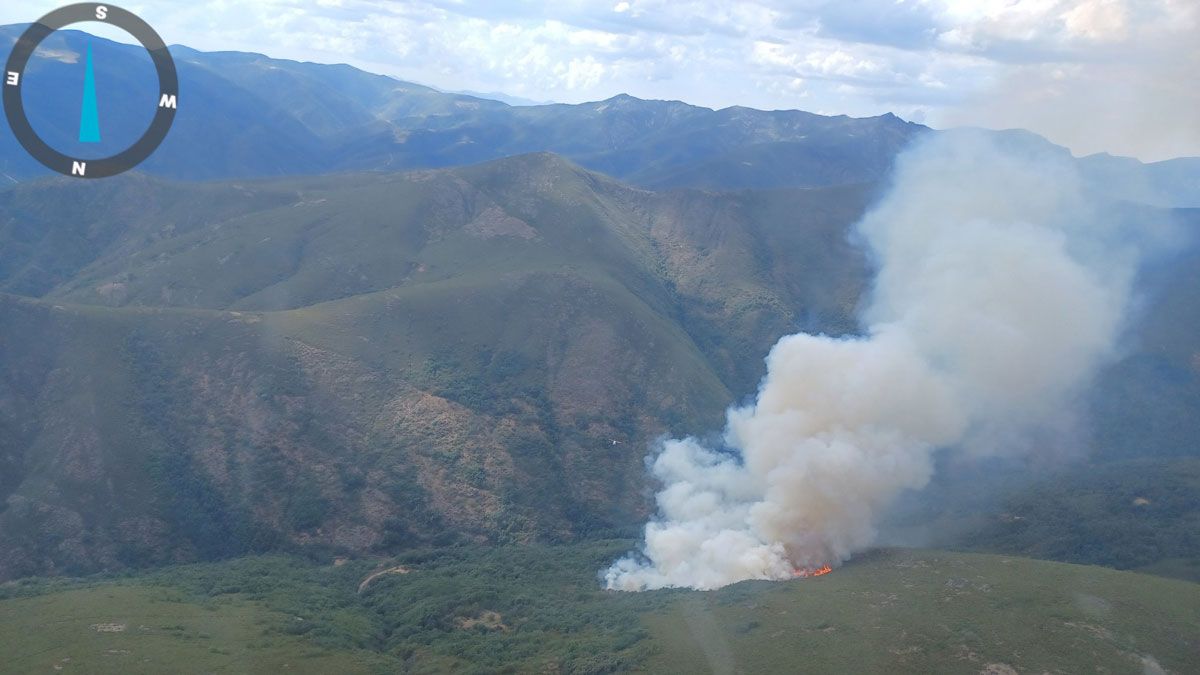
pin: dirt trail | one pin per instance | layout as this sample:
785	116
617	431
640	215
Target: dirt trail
399	569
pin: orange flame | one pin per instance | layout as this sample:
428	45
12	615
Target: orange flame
804	574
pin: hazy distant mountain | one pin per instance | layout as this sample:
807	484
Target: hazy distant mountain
503	98
248	115
1170	183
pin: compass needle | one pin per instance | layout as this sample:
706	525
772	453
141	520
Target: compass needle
167	95
89	116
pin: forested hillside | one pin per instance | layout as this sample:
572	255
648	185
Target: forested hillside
365	363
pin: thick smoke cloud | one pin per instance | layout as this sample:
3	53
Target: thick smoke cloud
999	292
1120	76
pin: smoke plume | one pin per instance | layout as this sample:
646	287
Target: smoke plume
999	291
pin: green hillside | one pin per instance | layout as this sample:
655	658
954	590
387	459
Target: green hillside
116	629
1129	514
363	364
540	609
920	612
353	375
375	362
154	434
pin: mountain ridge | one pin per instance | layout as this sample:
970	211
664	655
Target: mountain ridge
317	118
325	400
248	115
361	363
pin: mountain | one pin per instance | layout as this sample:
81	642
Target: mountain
502	97
1136	514
366	363
1169	183
246	115
478	350
357	375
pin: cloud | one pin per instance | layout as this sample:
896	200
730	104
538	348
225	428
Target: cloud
907	24
1124	82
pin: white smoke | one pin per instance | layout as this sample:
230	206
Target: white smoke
999	291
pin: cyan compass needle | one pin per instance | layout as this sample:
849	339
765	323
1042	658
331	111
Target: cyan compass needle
167	95
89	115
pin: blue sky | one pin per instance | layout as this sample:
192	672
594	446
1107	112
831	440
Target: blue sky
1095	75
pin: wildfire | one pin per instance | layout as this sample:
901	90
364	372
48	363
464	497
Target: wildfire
804	574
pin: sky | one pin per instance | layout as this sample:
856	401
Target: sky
1121	76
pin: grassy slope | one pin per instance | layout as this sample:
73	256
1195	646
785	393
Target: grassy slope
54	229
928	612
161	632
735	270
539	609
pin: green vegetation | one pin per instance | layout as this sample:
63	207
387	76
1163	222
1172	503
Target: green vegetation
448	381
134	628
367	364
512	609
374	363
1129	515
541	609
519	608
924	612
